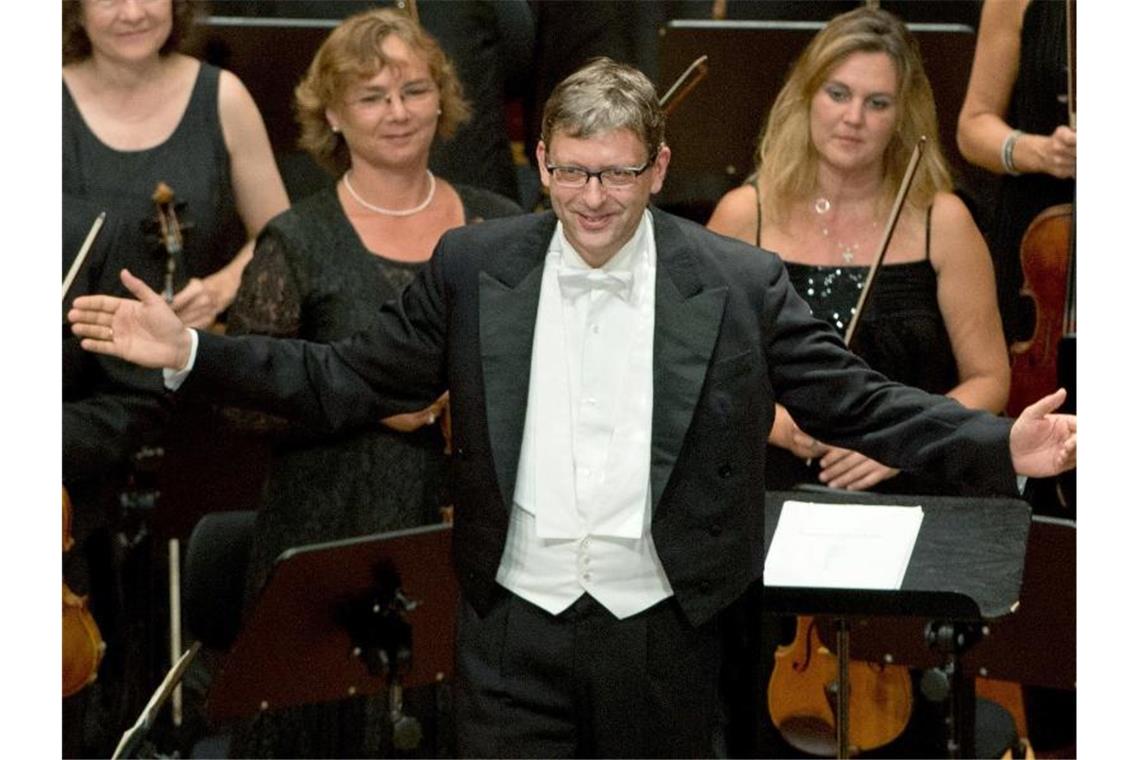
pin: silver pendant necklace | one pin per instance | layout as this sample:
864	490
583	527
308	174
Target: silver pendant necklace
847	251
388	211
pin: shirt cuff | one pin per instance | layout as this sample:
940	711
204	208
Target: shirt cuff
173	378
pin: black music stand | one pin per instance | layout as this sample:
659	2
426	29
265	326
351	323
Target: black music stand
965	571
346	618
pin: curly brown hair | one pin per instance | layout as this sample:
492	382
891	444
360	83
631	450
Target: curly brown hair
77	45
352	52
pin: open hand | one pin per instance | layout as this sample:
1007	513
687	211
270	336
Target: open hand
1043	444
146	332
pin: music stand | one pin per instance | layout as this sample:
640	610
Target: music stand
344	618
965	570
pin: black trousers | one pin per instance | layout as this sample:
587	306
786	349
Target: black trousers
585	684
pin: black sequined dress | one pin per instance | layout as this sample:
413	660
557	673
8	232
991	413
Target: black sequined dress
901	334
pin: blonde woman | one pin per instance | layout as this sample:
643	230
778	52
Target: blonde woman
830	162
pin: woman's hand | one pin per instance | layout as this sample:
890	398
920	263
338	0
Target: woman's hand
850	470
411	421
1057	153
197	304
787	435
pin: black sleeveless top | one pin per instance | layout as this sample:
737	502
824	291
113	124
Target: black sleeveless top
193	161
901	334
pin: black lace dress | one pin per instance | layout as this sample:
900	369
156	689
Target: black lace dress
311	277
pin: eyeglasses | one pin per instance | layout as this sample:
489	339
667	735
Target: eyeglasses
409	94
616	178
109	4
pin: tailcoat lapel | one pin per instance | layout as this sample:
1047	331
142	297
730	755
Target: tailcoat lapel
509	287
687	324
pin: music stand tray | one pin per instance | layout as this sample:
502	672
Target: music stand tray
966	565
301	643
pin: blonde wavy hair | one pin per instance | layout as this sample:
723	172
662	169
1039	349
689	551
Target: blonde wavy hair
353	52
787	160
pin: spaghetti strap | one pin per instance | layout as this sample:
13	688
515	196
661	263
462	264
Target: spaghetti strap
756	187
929	210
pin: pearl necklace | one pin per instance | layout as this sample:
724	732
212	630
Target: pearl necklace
388	211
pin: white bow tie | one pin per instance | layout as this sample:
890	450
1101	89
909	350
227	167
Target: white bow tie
574	282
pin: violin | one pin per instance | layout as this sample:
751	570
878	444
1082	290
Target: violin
1049	268
804	689
83	646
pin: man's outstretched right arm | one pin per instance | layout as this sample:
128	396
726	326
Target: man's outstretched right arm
329	387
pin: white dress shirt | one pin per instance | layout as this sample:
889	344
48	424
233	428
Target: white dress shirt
581	516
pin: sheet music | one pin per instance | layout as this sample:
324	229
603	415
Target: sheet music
842	545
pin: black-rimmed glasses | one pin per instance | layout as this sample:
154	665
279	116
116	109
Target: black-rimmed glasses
618	177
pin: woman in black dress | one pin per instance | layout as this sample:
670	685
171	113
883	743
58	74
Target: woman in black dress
376	95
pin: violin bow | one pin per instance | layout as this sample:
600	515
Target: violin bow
685	83
892	221
83	251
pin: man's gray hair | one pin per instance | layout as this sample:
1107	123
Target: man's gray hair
603	96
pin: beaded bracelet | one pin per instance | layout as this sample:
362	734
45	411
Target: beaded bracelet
1007	152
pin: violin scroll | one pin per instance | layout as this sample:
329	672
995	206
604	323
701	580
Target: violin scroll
170	234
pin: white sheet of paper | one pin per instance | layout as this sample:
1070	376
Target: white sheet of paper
842	545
